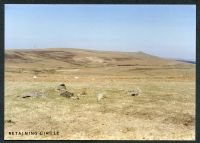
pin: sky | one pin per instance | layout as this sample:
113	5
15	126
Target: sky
163	30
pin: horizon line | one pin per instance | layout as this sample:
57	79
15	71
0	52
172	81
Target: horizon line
178	58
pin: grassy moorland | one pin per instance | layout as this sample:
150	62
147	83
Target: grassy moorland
165	110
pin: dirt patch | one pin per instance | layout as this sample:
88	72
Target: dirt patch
140	114
181	119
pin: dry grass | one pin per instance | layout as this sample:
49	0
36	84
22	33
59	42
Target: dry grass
164	111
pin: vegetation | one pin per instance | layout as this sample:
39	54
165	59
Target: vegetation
164	111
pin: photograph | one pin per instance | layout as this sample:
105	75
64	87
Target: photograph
100	72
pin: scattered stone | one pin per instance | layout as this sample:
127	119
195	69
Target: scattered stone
34	76
75	97
76	77
9	121
100	96
26	96
61	87
66	94
63	92
32	94
134	92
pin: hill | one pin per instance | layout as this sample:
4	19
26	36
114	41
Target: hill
69	58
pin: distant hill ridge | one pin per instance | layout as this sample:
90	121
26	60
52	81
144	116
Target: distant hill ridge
65	57
187	61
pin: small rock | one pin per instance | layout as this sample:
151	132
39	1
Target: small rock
76	77
134	92
61	87
32	94
100	96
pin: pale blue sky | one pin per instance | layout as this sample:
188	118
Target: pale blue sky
162	30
